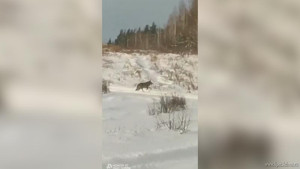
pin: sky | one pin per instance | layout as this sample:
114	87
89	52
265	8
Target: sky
124	14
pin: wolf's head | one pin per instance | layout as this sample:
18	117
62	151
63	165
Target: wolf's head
150	82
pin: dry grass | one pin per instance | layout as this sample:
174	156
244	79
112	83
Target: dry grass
170	112
105	87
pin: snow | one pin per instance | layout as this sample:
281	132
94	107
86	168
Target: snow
130	135
122	70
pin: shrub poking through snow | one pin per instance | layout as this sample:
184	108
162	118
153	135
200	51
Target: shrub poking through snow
170	112
171	104
105	86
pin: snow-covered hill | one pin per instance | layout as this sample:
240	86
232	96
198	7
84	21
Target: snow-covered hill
130	134
168	72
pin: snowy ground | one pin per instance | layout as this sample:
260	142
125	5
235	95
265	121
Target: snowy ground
168	72
130	136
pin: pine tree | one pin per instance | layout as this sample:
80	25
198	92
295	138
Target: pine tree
153	28
109	42
146	30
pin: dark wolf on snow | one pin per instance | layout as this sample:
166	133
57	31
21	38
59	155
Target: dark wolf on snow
144	85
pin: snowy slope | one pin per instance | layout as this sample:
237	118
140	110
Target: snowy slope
130	136
168	72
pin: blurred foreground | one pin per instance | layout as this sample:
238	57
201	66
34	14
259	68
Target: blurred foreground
249	84
50	84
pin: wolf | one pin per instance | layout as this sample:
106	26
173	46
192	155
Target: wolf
144	85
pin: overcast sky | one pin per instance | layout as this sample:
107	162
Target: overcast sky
124	14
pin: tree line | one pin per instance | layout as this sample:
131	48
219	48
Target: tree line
178	36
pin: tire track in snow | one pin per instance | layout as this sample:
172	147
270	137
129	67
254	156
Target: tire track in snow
121	89
135	161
